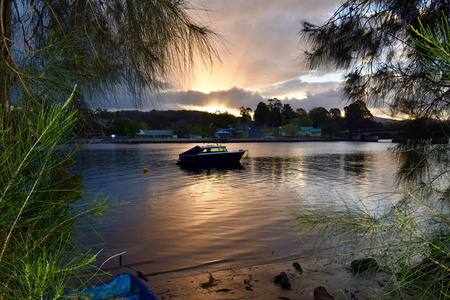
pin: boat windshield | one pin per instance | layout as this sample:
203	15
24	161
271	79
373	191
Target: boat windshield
215	149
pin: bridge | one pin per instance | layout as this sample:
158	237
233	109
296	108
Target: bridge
370	134
435	137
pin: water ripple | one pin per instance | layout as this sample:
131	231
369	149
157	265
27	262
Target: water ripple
178	218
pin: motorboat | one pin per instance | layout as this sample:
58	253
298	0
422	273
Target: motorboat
210	155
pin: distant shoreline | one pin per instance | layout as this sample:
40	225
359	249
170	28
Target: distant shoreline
212	141
198	141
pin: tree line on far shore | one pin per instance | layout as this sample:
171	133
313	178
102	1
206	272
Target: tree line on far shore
271	115
275	114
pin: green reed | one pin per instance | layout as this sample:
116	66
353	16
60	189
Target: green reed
37	253
410	241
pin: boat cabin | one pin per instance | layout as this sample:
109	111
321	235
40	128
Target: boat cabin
198	150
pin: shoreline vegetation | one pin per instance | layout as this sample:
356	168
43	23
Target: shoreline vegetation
199	141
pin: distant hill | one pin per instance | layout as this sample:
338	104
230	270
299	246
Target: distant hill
386	121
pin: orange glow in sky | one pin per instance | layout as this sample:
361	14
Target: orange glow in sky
262	59
213	109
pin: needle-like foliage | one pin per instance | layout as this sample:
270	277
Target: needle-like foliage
36	194
397	54
47	47
101	45
370	39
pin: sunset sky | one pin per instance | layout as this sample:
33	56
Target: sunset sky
264	60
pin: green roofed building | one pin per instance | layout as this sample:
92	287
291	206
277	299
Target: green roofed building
310	131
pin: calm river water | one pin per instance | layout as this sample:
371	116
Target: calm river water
176	218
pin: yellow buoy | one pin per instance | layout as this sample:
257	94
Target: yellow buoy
145	170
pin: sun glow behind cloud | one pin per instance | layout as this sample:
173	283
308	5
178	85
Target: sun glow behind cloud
293	95
207	81
328	77
213	109
262	60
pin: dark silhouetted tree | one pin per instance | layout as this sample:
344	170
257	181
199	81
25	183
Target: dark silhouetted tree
288	113
301	112
245	113
275	117
275	103
357	116
275	107
320	117
336	119
335	113
262	114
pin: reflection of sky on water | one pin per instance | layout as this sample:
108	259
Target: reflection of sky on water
176	218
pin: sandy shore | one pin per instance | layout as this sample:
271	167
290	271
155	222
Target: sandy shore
257	282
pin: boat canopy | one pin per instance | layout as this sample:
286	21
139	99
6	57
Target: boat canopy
192	151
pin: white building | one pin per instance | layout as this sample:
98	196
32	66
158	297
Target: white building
160	134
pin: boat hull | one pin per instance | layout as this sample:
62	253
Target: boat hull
212	159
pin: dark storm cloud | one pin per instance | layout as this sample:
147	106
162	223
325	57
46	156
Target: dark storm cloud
237	97
316	94
233	98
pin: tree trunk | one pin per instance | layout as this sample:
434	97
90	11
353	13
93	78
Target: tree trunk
5	34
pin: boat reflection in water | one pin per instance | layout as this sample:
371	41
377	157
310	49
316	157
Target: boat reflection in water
210	156
211	170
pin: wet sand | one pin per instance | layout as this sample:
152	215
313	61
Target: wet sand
257	282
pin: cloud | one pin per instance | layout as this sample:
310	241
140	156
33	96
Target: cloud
231	99
299	87
328	99
317	94
224	11
263	41
263	61
326	96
